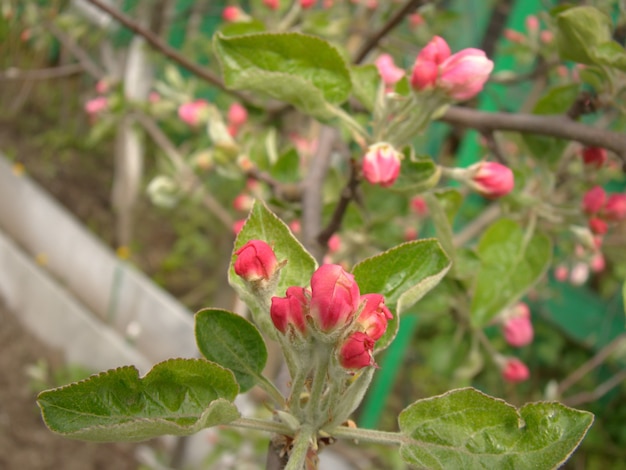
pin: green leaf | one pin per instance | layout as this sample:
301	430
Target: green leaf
263	224
403	275
365	83
470	430
624	296
242	27
611	54
443	226
580	30
416	176
287	167
178	396
510	265
233	342
302	70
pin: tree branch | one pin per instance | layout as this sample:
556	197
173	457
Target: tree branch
166	50
41	74
90	66
396	18
552	126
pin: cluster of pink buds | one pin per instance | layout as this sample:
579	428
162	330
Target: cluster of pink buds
96	106
603	208
381	164
491	179
193	113
461	76
332	310
237	116
517	326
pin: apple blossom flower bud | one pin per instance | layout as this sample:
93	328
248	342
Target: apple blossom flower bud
256	261
335	297
514	36
381	164
243	202
410	233
290	310
192	113
561	273
374	316
598	226
464	74
597	263
96	105
272	4
238	225
532	23
356	351
237	115
594	200
102	86
418	205
334	243
492	179
424	75
615	207
388	71
231	14
579	274
518	331
415	20
305	4
437	50
594	156
546	36
515	370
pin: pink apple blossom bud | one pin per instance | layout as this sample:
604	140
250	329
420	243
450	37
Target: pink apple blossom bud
306	4
598	226
579	274
594	156
371	4
546	36
418	205
328	4
492	179
255	261
532	23
463	75
374	316
290	310
561	273
154	97
272	4
388	70
243	202
515	370
615	207
594	200
96	105
238	225
295	226
520	309
597	263
102	86
335	297
410	233
381	164
514	36
518	331
437	51
356	351
424	75
416	20
237	115
334	243
231	14
191	113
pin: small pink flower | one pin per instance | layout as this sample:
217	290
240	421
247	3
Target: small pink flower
532	23
231	14
388	70
238	225
305	4
191	113
237	115
381	164
515	370
334	243
295	226
518	331
290	310
418	205
546	36
96	105
255	261
374	316
416	20
356	351
243	202
492	179
579	274
594	156
615	207
597	263
594	200
561	273
335	297
463	75
598	226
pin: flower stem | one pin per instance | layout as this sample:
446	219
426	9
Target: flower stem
370	435
262	425
271	390
314	405
300	448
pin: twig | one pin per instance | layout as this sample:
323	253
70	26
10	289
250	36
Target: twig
290	192
553	126
598	392
477	225
41	74
312	195
88	64
494	148
395	19
591	364
347	195
166	50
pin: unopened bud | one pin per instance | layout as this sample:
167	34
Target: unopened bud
514	370
356	351
335	297
256	261
492	179
381	164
